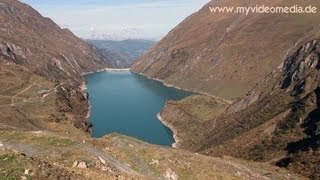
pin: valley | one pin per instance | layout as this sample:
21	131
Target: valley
120	54
126	103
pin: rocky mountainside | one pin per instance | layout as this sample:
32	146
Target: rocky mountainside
225	54
270	62
121	54
276	122
40	68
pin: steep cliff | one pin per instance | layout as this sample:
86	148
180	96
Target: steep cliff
226	54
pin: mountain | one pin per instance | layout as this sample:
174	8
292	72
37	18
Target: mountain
41	67
257	78
121	54
119	35
276	122
226	54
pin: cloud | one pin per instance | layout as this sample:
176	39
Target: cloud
151	18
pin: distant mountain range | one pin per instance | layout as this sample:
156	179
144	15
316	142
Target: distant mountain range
121	54
121	35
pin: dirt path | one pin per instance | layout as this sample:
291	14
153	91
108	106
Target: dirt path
18	84
31	150
2	96
108	158
25	100
21	92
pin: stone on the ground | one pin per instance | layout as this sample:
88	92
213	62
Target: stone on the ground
82	165
171	175
102	160
75	164
156	162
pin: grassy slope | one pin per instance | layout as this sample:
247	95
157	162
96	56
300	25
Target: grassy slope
277	122
189	118
51	156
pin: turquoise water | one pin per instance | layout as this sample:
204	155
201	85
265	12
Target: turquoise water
128	103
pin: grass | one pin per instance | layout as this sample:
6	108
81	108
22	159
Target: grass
202	108
12	167
52	141
189	116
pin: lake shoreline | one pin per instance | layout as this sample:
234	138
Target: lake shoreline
107	70
140	97
183	89
84	87
165	123
174	131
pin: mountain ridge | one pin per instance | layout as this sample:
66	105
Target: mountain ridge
224	44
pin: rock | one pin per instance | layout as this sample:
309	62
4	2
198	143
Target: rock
107	169
156	162
75	164
82	165
102	160
171	175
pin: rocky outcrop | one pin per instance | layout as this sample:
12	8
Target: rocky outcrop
74	101
226	54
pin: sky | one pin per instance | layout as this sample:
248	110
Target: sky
117	19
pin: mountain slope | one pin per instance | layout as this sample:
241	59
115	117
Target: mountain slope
43	155
121	54
40	68
225	54
279	118
270	62
276	122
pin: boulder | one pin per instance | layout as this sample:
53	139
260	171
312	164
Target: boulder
82	165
